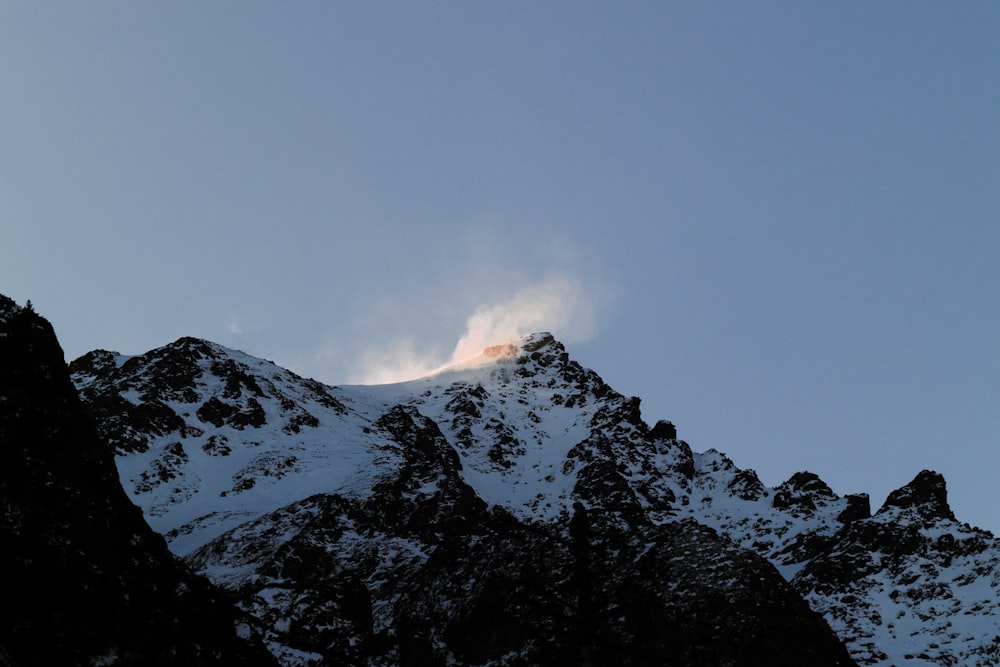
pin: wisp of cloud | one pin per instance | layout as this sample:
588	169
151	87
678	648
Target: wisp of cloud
558	304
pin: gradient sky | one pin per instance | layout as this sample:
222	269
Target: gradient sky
776	222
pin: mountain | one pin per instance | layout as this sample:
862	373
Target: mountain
515	509
83	579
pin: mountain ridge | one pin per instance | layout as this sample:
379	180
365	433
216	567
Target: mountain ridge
216	442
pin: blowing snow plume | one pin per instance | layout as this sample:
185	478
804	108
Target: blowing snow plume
554	305
559	305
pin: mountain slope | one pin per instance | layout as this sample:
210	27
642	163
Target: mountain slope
481	516
331	511
422	571
83	580
911	584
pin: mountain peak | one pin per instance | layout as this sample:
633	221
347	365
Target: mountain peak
536	341
541	347
927	494
534	345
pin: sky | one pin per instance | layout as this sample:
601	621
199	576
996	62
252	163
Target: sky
778	223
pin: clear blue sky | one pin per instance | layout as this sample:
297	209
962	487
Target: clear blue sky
776	222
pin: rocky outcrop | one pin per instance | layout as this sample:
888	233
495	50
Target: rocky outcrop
926	497
910	584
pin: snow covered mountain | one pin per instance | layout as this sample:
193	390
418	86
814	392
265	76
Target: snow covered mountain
515	509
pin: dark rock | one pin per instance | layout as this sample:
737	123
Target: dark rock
215	412
810	483
802	492
236	379
927	495
83	579
492	590
664	430
746	485
858	508
253	415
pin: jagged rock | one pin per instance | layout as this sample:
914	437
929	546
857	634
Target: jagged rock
802	491
858	507
215	412
664	430
885	575
926	495
746	485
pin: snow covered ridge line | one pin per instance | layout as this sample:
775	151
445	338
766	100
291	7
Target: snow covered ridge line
220	448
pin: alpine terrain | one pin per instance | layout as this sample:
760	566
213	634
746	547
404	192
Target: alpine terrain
515	509
512	509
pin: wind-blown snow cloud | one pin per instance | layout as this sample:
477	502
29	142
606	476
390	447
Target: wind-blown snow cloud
558	304
396	363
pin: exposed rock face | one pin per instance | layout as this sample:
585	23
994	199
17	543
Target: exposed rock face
423	573
519	511
926	497
910	584
83	579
